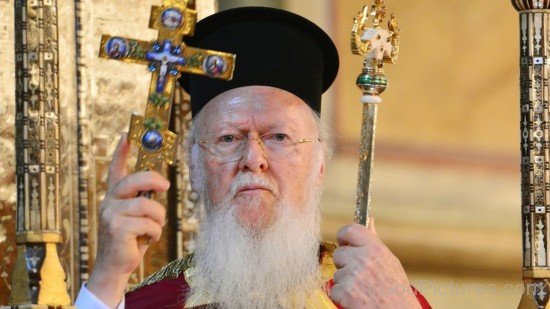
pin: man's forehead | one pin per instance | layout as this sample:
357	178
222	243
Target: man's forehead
256	99
263	105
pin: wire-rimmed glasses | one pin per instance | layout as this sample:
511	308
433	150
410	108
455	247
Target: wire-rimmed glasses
230	147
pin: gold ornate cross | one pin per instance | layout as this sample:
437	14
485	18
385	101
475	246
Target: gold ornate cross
167	58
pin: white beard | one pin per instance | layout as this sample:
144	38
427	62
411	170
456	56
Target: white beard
241	268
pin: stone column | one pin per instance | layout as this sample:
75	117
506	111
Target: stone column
38	277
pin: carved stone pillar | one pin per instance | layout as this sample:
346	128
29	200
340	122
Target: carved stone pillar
535	157
38	277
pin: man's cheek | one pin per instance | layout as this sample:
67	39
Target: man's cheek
214	192
218	189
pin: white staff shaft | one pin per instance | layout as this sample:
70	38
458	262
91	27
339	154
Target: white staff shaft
366	158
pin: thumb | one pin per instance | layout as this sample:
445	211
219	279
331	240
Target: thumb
371	227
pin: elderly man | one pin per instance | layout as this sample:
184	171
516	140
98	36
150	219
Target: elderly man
257	160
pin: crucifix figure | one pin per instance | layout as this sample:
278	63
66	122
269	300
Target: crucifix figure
166	58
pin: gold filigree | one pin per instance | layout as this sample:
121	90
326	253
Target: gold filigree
359	26
172	270
377	43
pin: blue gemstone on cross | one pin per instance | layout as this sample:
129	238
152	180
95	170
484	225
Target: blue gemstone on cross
165	57
152	140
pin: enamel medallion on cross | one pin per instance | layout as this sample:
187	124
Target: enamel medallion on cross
167	58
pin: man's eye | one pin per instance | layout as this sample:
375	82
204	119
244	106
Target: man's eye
228	138
280	137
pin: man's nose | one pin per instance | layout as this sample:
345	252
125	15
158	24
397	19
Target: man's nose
254	156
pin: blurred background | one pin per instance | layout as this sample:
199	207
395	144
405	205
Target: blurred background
446	196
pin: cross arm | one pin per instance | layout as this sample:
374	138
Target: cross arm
126	50
211	63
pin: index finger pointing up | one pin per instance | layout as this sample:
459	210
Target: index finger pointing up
118	169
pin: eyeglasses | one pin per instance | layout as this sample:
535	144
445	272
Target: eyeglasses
230	147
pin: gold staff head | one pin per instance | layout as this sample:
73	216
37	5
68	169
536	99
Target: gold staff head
378	45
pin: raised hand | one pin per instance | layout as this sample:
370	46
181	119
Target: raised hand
123	217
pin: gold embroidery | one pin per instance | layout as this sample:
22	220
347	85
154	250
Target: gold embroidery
170	271
327	265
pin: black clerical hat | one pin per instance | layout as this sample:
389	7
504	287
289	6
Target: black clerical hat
273	47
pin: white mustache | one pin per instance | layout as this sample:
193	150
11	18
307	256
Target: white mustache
248	179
